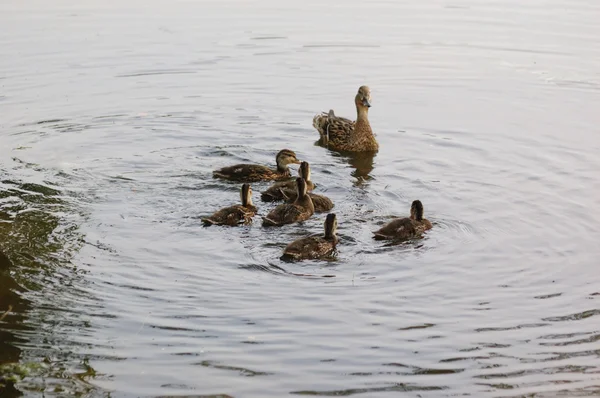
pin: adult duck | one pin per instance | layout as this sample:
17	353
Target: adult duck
341	134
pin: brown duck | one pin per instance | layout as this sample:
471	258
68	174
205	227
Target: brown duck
316	246
285	189
256	172
289	213
288	192
322	203
404	228
343	134
237	214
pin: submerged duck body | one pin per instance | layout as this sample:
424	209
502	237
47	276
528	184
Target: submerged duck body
256	172
343	134
288	213
237	214
405	228
314	247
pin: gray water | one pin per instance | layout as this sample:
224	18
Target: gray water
113	115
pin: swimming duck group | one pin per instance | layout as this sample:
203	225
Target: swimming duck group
299	202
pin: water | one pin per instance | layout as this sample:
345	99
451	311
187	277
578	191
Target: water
113	115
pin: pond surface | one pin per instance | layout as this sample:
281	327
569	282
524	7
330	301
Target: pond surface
113	115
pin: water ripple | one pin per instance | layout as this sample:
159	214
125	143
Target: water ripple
108	147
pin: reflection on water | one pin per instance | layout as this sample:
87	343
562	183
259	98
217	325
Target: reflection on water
9	300
39	244
107	150
361	162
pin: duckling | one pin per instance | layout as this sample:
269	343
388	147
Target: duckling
408	227
237	214
313	247
255	172
289	213
341	134
284	189
281	190
322	203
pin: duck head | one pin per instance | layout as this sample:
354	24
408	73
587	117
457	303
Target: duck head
284	158
246	195
330	225
304	171
363	98
416	210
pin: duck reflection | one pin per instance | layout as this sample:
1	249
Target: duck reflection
32	246
12	305
361	162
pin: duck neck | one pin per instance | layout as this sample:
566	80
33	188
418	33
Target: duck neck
362	125
362	114
283	169
306	177
305	201
301	195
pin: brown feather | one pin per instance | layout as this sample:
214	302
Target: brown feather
283	189
343	134
286	214
311	247
314	246
255	172
232	215
250	173
302	209
402	228
320	202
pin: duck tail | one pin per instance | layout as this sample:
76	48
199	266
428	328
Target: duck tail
219	174
320	121
317	122
267	197
378	236
245	221
207	222
267	222
287	256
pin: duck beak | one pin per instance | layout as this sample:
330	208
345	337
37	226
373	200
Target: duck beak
297	161
366	102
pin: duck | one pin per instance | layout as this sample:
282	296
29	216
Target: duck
404	228
288	213
321	203
236	214
316	246
256	172
341	134
288	192
284	189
